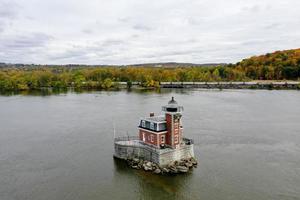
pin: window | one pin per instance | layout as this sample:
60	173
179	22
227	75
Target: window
152	126
162	139
176	139
143	123
162	127
152	138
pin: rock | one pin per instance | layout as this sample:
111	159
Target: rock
182	169
173	170
194	161
165	170
182	163
147	168
148	164
170	165
157	171
140	164
179	166
189	164
135	167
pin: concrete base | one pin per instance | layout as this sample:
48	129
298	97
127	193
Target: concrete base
162	157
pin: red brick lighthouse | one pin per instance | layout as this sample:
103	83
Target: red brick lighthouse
160	141
164	130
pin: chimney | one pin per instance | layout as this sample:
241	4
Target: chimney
152	114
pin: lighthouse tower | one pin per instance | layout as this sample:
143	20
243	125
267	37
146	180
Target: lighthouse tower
173	114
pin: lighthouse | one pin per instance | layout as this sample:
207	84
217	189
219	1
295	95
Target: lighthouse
173	114
163	130
160	138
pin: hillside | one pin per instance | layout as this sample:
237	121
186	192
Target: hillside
277	65
156	65
280	65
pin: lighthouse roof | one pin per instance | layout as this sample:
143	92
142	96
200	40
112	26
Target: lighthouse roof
160	118
173	102
172	106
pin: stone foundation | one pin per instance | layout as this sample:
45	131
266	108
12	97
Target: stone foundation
131	147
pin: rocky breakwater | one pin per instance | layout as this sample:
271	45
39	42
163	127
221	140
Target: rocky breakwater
181	166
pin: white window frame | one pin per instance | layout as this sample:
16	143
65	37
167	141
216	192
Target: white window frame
143	123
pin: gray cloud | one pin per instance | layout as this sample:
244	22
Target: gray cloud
8	9
20	42
87	31
135	31
141	27
22	47
8	12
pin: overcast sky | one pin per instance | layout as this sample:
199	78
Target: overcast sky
142	31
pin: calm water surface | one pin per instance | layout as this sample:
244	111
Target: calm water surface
59	147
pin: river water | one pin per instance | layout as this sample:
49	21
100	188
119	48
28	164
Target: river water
60	147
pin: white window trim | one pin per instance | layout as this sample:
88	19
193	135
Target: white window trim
147	130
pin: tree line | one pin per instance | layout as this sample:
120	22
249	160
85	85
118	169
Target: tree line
280	65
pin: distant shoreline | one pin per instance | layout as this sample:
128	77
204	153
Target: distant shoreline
256	85
234	85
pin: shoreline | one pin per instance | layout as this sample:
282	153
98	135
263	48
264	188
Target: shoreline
259	85
234	85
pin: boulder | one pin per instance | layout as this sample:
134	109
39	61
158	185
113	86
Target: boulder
189	164
165	170
170	165
148	164
157	171
194	161
140	164
173	170
147	168
135	167
182	163
182	169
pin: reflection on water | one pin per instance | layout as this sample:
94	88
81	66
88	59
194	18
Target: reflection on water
53	91
41	92
164	186
59	145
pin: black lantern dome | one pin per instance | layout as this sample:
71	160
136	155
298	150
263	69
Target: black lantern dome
172	106
172	101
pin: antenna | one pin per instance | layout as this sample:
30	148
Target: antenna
114	125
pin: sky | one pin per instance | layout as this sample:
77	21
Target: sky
145	31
